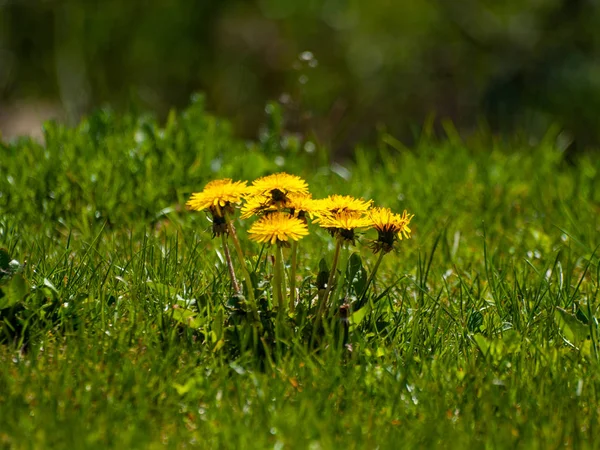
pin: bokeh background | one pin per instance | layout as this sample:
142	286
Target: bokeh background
340	69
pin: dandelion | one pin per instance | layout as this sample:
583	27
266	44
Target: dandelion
299	205
257	205
339	204
219	197
278	186
342	225
390	228
278	228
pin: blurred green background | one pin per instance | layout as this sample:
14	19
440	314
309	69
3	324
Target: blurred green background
340	69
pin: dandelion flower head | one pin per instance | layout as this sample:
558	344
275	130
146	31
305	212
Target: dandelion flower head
257	205
390	228
338	204
218	196
343	224
301	204
278	186
278	228
345	221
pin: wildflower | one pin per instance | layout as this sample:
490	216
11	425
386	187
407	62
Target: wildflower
343	224
257	205
337	204
390	228
218	196
301	204
278	186
279	228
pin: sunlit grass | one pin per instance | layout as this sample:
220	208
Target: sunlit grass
121	326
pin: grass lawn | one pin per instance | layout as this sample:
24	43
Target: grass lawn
119	327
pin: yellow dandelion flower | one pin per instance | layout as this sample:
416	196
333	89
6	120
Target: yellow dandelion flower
218	196
344	224
257	205
300	204
390	227
278	228
339	204
405	218
345	221
278	186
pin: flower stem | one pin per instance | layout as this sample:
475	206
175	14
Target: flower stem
293	263
371	276
277	279
234	281
343	267
247	279
330	280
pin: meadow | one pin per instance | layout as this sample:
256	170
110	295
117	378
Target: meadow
119	327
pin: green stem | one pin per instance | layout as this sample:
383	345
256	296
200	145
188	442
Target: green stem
277	279
343	267
371	276
293	263
234	281
247	279
330	280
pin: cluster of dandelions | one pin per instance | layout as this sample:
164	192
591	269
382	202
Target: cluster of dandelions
283	207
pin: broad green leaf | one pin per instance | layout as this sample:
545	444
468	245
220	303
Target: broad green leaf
186	317
572	329
357	316
483	343
356	275
14	292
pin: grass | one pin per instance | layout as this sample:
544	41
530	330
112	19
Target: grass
480	332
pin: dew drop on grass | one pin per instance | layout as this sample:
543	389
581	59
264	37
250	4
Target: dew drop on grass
139	137
285	98
306	56
215	164
579	387
342	171
315	445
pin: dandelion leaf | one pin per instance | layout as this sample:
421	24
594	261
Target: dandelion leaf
572	329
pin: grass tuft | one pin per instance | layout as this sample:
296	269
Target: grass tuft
120	326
